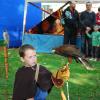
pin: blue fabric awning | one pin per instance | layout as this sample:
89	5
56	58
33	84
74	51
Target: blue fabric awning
43	43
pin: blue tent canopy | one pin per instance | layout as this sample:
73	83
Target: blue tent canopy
11	19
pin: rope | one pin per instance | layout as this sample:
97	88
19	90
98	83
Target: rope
67	90
37	72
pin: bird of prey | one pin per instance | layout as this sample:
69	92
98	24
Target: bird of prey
71	51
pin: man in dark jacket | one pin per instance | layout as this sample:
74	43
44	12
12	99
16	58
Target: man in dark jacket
87	20
70	21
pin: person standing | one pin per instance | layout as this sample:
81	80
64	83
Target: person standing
98	17
98	23
99	47
95	42
70	22
32	81
87	21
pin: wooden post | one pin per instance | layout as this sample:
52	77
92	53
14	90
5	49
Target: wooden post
6	60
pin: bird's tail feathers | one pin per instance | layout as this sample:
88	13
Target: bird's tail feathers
86	63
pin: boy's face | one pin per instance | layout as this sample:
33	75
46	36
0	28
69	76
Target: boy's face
30	58
95	29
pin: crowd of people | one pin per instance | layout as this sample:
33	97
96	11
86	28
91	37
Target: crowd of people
87	23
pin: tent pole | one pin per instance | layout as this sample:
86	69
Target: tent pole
24	19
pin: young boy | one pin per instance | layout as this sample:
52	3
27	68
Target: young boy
95	41
26	87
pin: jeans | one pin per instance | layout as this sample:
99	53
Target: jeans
86	46
40	94
70	36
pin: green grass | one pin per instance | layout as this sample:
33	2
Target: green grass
83	84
